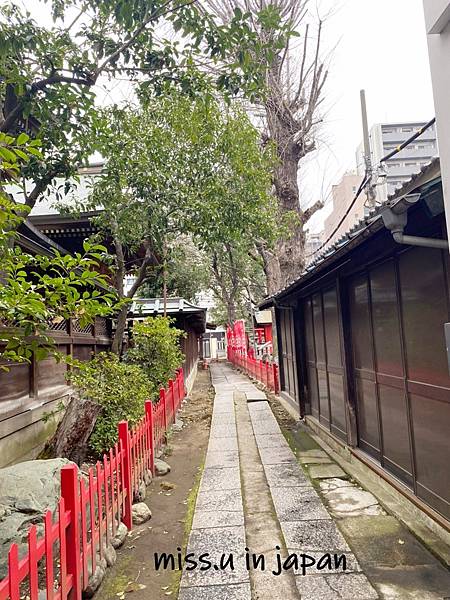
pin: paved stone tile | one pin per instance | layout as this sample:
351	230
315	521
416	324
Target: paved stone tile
218	543
255	395
221	460
321	563
383	542
316	460
240	591
351	586
326	471
266	426
272	440
328	485
219	500
419	583
313	453
309	536
352	502
223	444
298	504
262	415
221	479
223	430
204	519
274	456
286	475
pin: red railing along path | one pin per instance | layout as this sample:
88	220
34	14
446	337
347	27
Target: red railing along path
59	562
264	371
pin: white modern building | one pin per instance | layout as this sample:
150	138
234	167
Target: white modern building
385	137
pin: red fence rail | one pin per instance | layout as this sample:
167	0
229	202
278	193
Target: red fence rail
59	562
264	371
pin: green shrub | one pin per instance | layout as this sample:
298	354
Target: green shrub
156	349
121	390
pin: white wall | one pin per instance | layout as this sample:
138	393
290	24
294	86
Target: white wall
437	19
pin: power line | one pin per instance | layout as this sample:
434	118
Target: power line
367	179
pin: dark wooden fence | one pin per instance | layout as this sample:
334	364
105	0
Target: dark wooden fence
24	386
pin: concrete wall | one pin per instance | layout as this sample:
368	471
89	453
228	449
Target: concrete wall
343	194
437	20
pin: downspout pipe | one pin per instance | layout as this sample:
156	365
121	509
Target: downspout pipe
414	240
396	223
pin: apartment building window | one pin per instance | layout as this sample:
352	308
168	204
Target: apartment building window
407	129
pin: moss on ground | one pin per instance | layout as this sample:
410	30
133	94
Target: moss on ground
191	501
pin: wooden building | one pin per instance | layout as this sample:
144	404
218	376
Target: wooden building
187	317
28	391
362	346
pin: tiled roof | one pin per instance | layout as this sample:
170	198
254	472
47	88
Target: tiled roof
155	306
357	228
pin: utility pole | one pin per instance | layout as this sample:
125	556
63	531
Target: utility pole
370	187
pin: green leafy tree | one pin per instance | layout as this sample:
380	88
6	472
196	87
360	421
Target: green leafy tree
50	75
178	166
120	389
237	281
156	349
36	291
184	273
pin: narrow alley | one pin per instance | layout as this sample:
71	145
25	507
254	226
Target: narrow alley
256	500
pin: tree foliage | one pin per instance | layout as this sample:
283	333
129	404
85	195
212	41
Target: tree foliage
179	166
50	75
121	390
156	349
39	290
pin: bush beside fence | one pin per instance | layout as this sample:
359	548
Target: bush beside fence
90	509
264	371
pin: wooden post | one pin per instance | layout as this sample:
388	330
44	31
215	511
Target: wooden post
70	493
149	415
124	438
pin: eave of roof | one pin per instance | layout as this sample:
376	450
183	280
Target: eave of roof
358	232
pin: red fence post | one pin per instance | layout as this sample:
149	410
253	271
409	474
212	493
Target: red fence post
172	398
124	437
151	435
275	378
183	386
70	493
162	399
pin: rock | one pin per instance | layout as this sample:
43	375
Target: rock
178	425
161	467
139	495
159	453
110	555
95	580
27	490
140	513
120	537
148	477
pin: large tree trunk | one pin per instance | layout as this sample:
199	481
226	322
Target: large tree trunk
71	437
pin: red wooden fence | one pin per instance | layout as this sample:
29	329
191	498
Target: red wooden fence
264	371
90	509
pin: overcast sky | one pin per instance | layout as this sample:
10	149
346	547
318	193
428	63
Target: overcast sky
379	45
381	48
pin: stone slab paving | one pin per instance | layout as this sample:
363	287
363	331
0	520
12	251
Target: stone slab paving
255	492
307	526
218	531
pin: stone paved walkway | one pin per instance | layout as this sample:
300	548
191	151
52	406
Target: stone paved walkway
254	495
